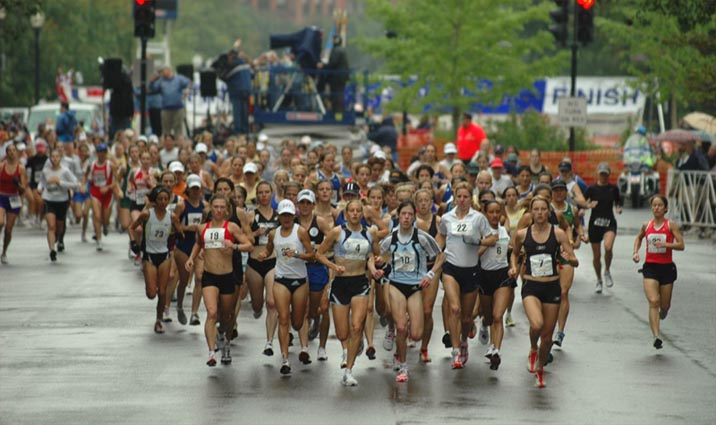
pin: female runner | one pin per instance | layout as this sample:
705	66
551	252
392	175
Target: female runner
56	182
101	177
13	182
514	212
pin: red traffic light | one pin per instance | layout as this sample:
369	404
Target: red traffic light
142	2
586	4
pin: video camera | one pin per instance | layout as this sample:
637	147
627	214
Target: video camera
304	44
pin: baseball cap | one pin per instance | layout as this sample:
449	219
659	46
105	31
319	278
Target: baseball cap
176	166
21	146
153	138
306	140
397	176
380	155
603	168
250	167
307	195
450	148
559	184
193	181
201	148
565	166
351	189
263	138
286	207
472	168
101	148
142	138
497	163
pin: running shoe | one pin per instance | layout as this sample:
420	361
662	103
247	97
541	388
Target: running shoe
348	379
456	363
658	343
226	352
165	317
559	338
137	261
539	378
663	313
268	349
181	316
322	355
100	247
447	342
285	368
130	254
464	354
411	343
509	322
220	342
550	359
608	279
490	351
344	360
484	335
212	359
53	255
105	230
194	321
370	352
304	357
389	339
314	329
598	288
60	246
495	360
402	375
424	357
84	237
158	327
532	361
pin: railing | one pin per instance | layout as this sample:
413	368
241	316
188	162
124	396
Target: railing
692	198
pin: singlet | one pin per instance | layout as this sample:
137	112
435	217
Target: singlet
289	267
606	196
260	221
568	213
100	176
213	237
472	227
7	185
409	260
156	233
354	245
523	195
541	257
514	218
495	257
663	233
141	189
173	203
314	233
190	215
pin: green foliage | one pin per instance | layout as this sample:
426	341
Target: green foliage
533	130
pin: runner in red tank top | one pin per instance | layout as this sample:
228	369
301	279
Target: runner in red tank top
13	181
662	236
102	185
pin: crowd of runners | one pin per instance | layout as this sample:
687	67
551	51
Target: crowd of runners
309	235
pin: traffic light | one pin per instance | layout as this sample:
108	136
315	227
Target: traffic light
144	17
560	27
585	21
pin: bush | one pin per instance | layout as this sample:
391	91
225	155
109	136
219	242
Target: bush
533	130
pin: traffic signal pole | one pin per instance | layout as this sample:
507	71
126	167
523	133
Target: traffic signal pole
143	88
573	89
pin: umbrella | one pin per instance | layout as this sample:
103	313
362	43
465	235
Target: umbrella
701	121
704	136
677	136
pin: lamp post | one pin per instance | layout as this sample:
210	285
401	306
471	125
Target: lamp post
37	21
196	61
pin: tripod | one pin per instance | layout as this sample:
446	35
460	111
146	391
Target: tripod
311	90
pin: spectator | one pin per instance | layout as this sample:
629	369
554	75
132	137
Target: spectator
386	136
169	151
121	105
536	166
450	151
171	87
66	123
469	138
239	83
691	158
338	74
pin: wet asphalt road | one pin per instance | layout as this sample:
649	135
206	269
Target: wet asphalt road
77	347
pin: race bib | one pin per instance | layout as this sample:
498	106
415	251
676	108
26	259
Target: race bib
194	218
462	228
140	194
38	176
99	180
356	249
651	240
15	202
158	235
263	239
283	249
53	188
214	238
541	265
602	222
171	208
501	250
405	261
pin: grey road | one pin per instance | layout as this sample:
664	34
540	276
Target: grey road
77	347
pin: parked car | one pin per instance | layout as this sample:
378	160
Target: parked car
8	112
47	113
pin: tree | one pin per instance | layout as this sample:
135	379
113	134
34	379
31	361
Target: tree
669	46
455	46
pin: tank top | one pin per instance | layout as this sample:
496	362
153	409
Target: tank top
495	257
289	267
7	185
191	215
568	214
101	176
515	218
156	233
266	223
655	254
408	260
213	237
314	233
354	245
541	261
141	188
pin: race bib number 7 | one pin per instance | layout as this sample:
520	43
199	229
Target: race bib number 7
541	265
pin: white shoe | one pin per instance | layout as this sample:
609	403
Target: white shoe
84	237
344	362
484	335
100	247
598	288
389	339
3	259
348	379
608	279
490	351
322	356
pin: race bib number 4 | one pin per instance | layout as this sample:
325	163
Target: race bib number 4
356	249
651	241
541	265
405	262
214	238
461	228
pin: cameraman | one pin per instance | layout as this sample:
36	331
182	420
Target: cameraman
337	75
238	82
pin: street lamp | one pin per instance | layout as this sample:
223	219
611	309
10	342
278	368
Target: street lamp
37	21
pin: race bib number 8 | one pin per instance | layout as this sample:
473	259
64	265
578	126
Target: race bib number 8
462	228
651	241
405	262
541	265
214	238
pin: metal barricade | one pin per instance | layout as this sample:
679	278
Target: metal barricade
692	198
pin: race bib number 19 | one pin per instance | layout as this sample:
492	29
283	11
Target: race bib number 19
214	238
